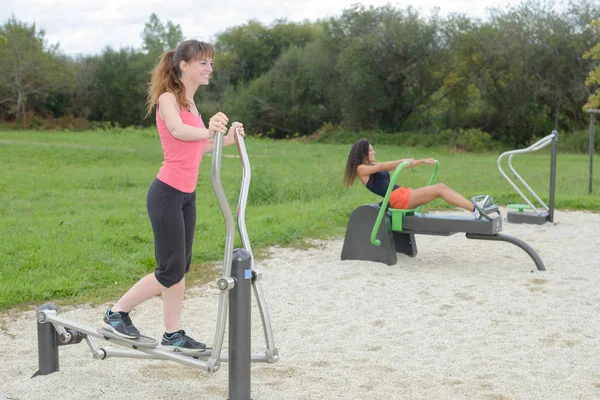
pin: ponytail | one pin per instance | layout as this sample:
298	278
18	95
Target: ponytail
165	78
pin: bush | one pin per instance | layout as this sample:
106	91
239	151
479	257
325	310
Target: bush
578	142
471	140
67	122
474	140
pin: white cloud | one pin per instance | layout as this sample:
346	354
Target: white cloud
87	27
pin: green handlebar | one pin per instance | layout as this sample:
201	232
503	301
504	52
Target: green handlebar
374	240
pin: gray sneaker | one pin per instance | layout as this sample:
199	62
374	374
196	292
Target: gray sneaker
120	324
179	341
485	202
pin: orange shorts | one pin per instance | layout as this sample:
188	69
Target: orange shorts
399	198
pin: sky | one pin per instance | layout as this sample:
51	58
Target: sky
86	27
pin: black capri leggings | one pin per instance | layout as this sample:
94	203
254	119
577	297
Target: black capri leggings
173	217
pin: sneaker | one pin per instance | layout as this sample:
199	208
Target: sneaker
476	213
179	340
485	202
120	324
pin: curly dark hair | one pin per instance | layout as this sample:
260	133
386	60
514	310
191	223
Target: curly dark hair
359	154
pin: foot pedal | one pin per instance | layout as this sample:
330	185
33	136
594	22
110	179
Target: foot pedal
486	206
483	201
492	209
143	341
520	207
187	352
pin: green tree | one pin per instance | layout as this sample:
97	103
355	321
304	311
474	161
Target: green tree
522	72
243	55
87	93
123	77
30	68
391	63
245	52
158	37
593	79
281	102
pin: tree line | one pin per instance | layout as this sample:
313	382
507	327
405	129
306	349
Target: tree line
517	74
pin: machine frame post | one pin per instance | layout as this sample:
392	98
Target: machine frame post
240	326
48	361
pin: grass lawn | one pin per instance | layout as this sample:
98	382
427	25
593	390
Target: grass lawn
73	222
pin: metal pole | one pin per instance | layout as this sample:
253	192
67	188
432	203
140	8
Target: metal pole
592	119
47	344
552	177
240	326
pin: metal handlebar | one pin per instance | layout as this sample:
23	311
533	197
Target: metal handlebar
271	353
225	283
382	210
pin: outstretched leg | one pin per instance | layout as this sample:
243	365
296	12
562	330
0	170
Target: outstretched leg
427	194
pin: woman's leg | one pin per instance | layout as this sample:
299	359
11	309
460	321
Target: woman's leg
168	225
172	305
144	289
173	296
427	194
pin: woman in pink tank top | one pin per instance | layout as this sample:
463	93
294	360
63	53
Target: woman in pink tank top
171	199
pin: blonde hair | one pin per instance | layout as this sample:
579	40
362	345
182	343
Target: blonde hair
166	75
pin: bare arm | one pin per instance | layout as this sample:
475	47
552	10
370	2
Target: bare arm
364	171
169	112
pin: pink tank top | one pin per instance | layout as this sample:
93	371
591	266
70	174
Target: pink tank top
181	157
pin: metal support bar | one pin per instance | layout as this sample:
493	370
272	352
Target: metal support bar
591	146
553	152
96	351
240	326
518	242
110	352
224	283
47	343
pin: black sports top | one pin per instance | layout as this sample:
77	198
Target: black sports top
379	182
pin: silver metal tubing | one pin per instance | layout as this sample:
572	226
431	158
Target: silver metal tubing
119	353
153	353
271	353
540	144
185	360
225	283
50	316
520	178
96	351
256	357
243	199
150	354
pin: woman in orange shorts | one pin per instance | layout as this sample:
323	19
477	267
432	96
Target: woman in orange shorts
376	177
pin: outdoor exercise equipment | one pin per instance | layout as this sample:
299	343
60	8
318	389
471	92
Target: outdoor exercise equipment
377	233
238	273
529	213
